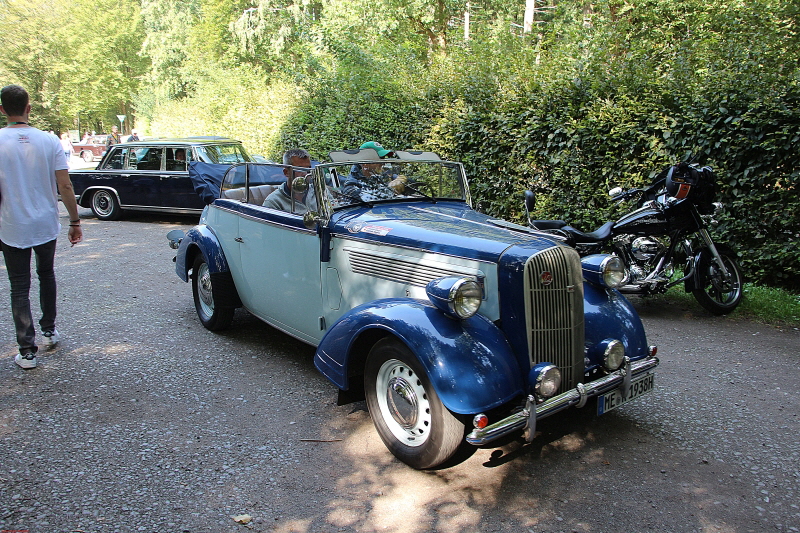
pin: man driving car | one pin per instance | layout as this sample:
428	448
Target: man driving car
285	198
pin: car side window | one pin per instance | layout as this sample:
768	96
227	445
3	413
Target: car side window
178	158
146	158
115	160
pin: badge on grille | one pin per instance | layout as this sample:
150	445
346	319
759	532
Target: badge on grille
546	278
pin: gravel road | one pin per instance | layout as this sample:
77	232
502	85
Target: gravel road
141	420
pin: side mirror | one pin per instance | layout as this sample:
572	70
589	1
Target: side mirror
530	203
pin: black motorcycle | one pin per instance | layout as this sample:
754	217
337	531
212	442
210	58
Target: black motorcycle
665	240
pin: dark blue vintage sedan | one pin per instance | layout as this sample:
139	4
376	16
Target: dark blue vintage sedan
151	175
457	328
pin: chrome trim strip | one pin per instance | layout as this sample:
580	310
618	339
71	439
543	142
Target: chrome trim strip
520	420
156	209
264	221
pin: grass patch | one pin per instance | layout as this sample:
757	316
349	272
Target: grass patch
762	304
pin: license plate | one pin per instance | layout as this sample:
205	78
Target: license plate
611	400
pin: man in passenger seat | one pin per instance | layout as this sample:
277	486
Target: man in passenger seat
283	198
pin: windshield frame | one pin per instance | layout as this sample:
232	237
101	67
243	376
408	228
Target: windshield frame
321	173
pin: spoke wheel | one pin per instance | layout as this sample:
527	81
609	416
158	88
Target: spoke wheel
105	205
87	156
407	413
719	294
212	317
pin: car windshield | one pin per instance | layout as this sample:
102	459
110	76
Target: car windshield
223	153
355	183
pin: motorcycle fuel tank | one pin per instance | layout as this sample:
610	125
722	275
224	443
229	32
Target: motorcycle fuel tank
643	221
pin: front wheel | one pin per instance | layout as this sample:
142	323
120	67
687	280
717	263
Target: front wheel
411	420
212	317
105	205
718	294
88	156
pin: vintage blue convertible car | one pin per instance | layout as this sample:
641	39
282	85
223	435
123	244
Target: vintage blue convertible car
455	326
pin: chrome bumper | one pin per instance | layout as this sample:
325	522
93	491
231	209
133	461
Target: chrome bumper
526	419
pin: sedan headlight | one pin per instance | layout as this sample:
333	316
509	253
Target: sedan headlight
605	270
456	297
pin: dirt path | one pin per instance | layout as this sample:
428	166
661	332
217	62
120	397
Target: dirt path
144	421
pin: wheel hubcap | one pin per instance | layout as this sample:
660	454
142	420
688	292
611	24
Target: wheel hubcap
403	403
204	290
102	203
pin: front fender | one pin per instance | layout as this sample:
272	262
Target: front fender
609	314
701	261
469	362
200	239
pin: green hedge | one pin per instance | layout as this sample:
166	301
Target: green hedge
573	139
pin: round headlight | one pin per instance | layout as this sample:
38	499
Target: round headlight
465	298
457	297
613	272
548	381
614	355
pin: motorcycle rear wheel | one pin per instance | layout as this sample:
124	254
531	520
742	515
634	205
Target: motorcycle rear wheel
719	295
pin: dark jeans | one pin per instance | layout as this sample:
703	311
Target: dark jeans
18	264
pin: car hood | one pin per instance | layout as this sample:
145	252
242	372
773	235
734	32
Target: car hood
451	228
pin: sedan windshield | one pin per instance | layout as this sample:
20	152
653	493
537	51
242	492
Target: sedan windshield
368	182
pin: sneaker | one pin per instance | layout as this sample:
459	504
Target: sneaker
51	338
26	361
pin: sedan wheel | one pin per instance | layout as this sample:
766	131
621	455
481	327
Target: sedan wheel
105	205
410	419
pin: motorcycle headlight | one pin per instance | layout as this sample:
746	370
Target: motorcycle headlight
456	297
546	379
605	270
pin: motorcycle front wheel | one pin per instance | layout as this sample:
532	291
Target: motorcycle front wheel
719	294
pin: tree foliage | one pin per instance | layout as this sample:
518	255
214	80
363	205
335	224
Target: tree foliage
597	95
79	60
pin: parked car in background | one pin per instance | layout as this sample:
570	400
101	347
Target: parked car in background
92	149
458	328
151	175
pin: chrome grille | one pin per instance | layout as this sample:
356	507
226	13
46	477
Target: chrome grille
554	311
407	271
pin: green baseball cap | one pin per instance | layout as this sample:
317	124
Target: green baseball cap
382	152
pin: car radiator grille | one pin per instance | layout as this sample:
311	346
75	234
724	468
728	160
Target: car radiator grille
554	311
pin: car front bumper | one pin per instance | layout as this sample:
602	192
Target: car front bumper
527	417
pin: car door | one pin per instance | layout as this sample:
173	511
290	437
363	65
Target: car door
175	188
281	271
143	170
119	172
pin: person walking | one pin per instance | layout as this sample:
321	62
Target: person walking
33	170
114	138
66	145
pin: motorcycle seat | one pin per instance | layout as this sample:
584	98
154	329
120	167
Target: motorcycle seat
599	235
547	224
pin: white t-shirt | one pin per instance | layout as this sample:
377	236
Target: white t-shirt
29	159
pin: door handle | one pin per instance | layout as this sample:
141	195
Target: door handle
238	239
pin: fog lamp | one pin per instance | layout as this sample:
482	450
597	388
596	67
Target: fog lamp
546	379
613	355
